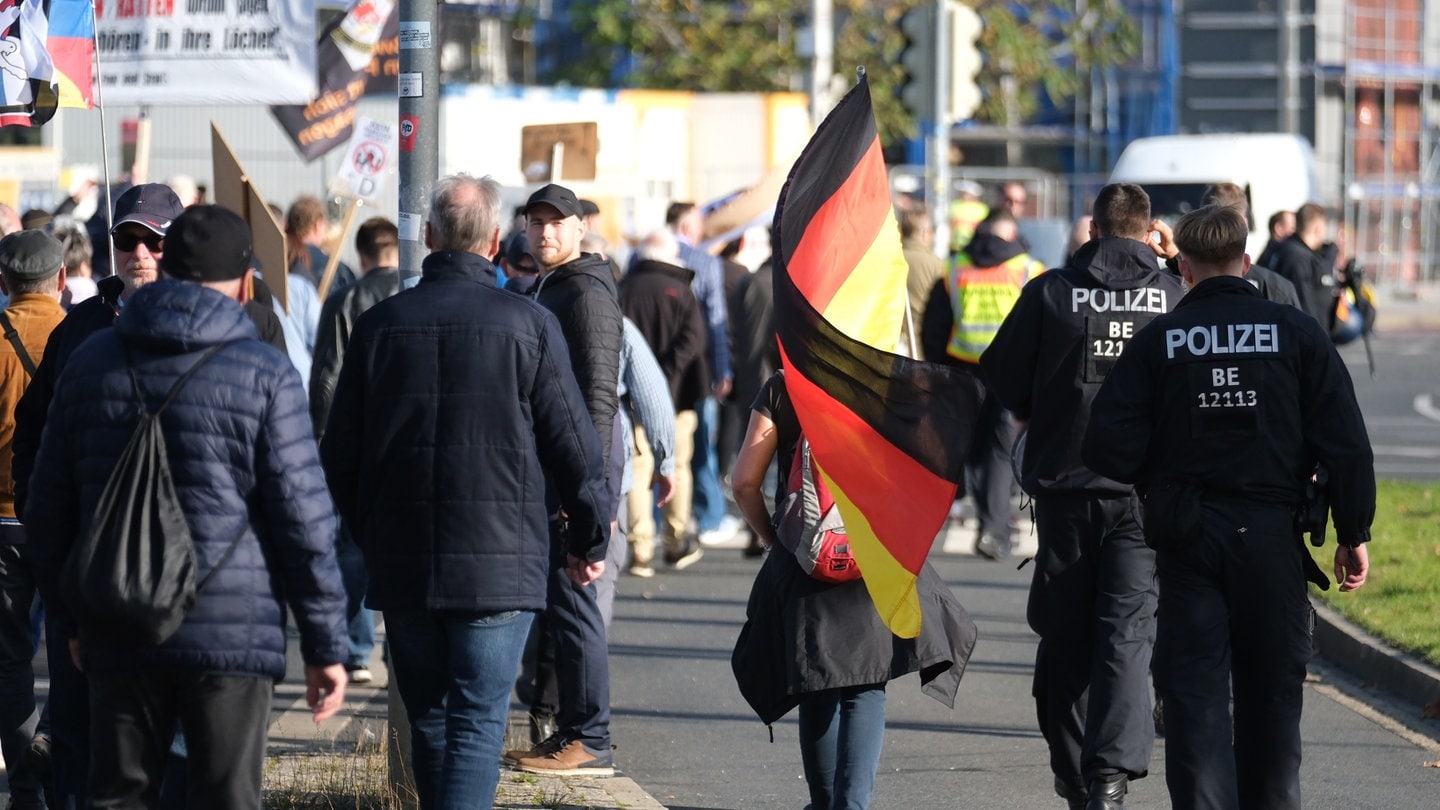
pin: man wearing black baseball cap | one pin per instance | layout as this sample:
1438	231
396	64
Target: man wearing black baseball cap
520	268
249	483
580	289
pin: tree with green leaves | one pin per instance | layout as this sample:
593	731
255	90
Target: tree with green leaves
1031	48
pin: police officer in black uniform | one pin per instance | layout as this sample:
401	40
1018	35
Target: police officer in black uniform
1307	260
1219	412
1092	600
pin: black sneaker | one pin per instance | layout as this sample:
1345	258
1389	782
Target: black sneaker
545	747
542	728
688	555
38	757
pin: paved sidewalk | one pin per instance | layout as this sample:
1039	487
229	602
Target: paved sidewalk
347	750
1403	683
1406	310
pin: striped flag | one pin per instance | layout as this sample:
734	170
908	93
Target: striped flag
72	48
889	433
44	59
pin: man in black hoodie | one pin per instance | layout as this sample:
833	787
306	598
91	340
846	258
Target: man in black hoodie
1093	598
656	295
964	311
580	289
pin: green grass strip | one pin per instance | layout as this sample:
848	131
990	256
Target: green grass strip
1400	601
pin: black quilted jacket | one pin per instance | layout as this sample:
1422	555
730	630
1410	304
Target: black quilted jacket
454	399
244	461
582	295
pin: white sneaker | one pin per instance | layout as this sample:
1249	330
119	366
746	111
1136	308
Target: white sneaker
729	527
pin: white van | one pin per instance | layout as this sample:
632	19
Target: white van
1276	171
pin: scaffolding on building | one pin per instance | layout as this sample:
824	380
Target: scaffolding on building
1391	173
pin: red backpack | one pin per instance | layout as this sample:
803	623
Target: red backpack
809	525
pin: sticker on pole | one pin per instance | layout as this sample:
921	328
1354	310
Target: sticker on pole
409	126
368	160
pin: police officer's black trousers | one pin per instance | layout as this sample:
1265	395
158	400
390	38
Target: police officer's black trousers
1092	602
1233	607
989	474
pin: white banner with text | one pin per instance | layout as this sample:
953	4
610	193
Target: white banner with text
175	52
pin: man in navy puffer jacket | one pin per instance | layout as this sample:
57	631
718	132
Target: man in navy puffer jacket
245	465
455	400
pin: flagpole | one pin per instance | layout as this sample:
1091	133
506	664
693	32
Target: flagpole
104	142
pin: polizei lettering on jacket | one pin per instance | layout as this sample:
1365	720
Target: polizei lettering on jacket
1143	299
1230	338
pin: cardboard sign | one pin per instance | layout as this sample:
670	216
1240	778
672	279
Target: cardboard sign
578	145
234	190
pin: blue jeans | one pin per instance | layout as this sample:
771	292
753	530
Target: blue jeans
359	620
582	658
454	672
708	501
841	734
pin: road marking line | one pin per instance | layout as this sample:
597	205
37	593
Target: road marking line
1425	406
1405	451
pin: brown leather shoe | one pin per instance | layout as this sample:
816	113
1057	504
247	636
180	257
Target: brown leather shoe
575	759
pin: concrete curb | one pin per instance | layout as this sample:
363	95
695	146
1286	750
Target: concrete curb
297	744
524	791
1347	647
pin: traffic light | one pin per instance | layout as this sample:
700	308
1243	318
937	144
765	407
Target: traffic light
917	90
965	61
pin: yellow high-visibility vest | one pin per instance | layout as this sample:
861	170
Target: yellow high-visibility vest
981	297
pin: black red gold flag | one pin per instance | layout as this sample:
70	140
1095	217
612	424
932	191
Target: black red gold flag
888	432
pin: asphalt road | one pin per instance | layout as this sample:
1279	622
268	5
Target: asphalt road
1401	402
685	735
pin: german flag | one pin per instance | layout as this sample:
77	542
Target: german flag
889	433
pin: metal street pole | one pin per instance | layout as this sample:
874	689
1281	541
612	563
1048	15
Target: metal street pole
419	168
822	57
419	89
940	135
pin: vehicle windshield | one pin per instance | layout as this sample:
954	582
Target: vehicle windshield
1170	201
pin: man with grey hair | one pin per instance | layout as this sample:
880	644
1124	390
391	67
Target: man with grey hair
437	456
657	296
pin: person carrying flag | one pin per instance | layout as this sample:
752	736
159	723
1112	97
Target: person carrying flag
819	646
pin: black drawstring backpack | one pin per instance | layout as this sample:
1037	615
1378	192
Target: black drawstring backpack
130	580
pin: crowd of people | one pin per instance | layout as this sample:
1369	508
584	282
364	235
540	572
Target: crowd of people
362	453
646	368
